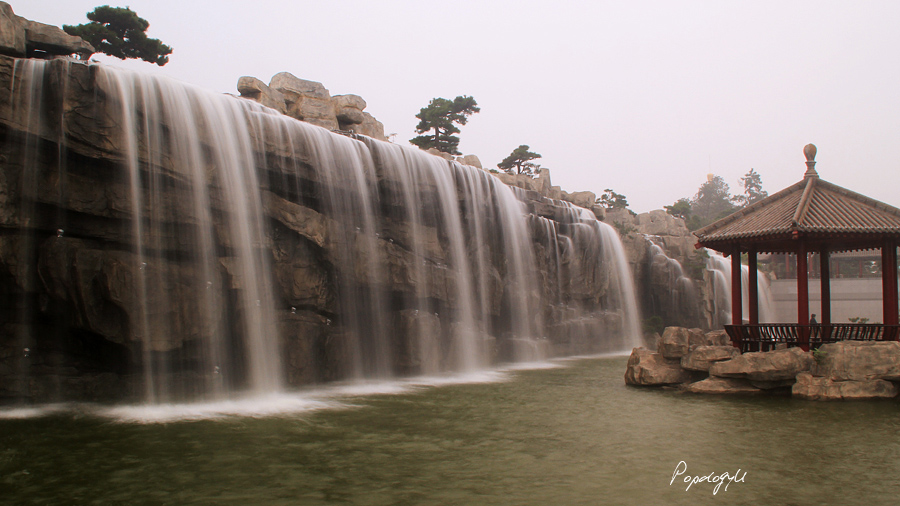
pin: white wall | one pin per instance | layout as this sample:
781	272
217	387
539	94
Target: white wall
850	297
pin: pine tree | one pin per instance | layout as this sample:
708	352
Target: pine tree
519	161
120	32
612	200
753	191
712	201
442	115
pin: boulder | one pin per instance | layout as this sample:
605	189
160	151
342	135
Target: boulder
699	338
254	89
702	357
543	181
582	199
646	368
765	365
470	160
349	109
859	361
441	154
717	338
307	101
12	32
656	222
825	389
675	342
370	127
287	83
53	40
714	385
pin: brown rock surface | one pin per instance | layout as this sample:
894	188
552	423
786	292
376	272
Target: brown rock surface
859	361
646	368
714	385
702	357
825	389
765	366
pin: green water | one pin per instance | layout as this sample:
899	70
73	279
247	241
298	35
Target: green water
570	435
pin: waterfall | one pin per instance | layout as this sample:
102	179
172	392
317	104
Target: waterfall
672	295
202	247
720	269
606	264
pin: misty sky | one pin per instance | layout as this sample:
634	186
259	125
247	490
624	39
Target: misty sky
645	98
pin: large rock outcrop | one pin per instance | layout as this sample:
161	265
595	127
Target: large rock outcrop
818	388
24	37
847	370
775	365
859	361
309	101
646	368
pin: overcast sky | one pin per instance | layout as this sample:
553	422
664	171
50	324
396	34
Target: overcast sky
645	98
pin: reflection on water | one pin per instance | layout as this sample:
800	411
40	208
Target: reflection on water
564	435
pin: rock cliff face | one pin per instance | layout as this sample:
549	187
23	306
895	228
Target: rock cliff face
160	243
674	286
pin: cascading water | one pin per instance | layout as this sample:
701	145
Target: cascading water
602	258
672	295
188	113
720	268
225	248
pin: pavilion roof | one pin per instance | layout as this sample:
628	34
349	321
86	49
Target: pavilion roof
811	208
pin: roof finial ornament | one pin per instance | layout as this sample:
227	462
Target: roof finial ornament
810	152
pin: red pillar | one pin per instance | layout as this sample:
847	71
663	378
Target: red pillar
753	288
889	282
825	284
736	302
802	296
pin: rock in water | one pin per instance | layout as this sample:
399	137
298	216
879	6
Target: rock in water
646	368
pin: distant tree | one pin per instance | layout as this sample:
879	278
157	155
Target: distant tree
753	191
712	201
442	115
612	200
120	32
519	161
680	209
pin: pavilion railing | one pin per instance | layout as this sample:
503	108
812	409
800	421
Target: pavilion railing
767	336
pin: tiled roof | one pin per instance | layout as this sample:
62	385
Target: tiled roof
812	206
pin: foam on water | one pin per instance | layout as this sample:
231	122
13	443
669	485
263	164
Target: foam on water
287	404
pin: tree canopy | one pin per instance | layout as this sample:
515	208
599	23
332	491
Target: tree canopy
612	200
753	191
442	116
713	200
519	161
680	209
120	32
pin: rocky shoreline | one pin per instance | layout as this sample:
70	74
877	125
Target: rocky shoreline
705	363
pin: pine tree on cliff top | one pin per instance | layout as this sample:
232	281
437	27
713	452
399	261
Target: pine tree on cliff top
442	115
519	161
120	32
